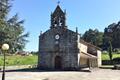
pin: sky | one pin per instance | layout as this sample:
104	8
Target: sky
84	14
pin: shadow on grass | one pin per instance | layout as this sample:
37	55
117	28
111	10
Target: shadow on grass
24	70
38	70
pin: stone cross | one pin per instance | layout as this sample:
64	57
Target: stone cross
58	2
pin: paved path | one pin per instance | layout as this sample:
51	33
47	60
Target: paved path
99	74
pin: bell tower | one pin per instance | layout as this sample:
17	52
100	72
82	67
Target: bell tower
58	18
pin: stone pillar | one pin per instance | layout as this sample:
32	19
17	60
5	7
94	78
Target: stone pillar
99	58
78	60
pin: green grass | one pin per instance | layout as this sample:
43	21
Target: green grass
19	60
31	60
105	56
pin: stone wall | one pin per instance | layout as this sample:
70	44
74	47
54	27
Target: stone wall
66	48
83	47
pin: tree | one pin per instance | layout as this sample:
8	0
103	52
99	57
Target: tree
3	24
12	29
94	37
112	33
17	38
116	36
110	50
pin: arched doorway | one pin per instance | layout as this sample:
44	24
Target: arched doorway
58	62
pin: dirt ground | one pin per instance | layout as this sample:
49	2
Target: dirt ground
98	74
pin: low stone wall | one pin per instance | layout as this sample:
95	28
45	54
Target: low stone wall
18	67
106	62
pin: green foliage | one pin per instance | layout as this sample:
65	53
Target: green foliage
117	50
105	56
12	29
34	53
17	39
94	37
110	50
112	33
19	60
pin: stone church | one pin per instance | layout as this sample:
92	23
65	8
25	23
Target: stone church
62	49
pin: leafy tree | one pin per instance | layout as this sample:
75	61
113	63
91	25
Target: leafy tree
17	38
112	33
116	36
12	29
94	37
3	23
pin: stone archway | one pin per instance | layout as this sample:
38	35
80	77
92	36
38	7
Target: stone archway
58	62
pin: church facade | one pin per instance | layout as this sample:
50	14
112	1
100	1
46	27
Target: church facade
61	48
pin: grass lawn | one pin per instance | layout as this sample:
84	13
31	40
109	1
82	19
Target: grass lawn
19	60
106	63
106	56
31	60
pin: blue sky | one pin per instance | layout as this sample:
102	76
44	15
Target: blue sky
83	14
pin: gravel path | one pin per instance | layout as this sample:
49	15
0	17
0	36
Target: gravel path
99	74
